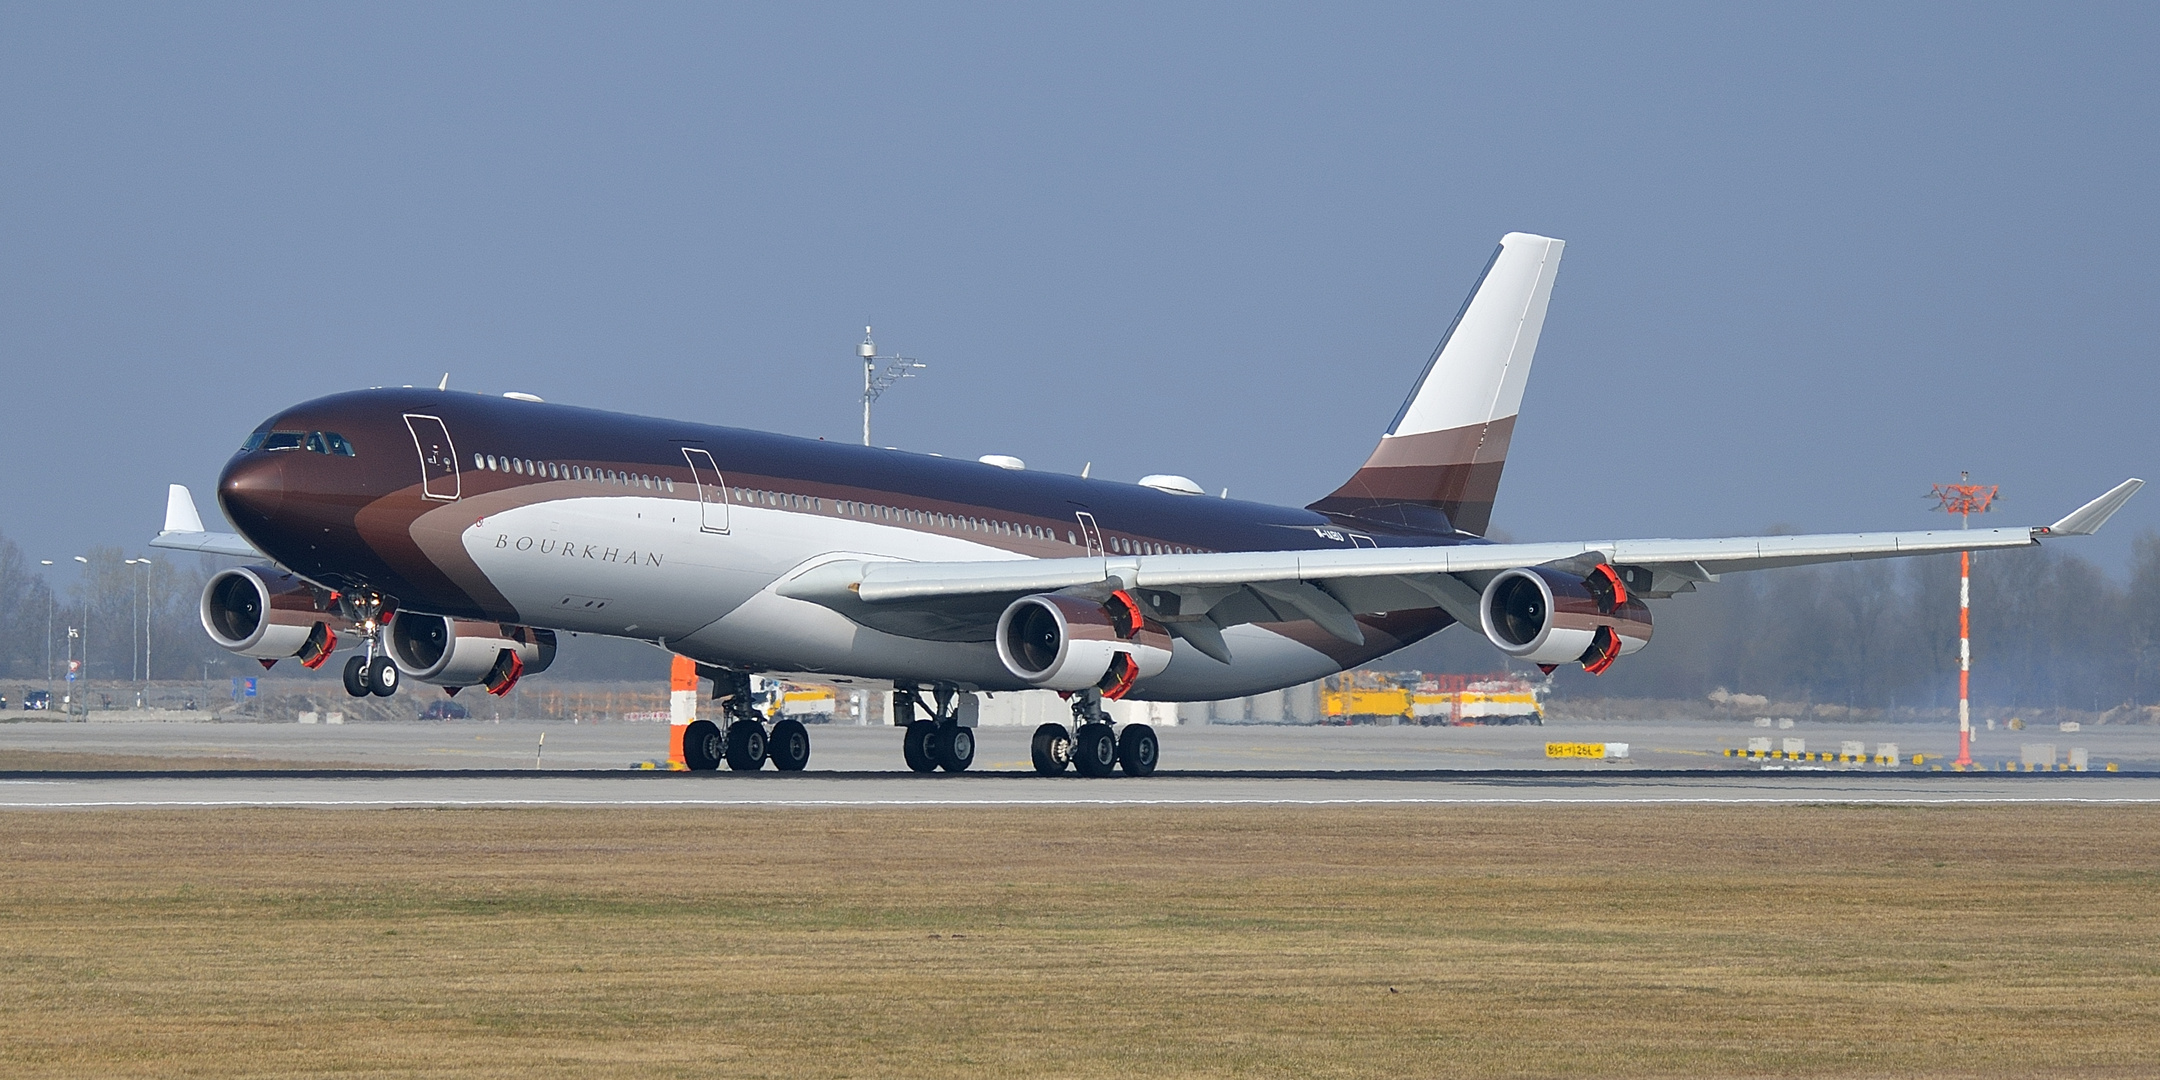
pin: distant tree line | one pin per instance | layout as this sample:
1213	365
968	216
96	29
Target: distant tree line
115	607
2050	630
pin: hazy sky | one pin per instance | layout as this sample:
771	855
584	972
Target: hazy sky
1818	258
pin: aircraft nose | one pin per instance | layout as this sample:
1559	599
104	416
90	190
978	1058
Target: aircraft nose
252	491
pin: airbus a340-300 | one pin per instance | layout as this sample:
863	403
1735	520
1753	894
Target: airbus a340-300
447	537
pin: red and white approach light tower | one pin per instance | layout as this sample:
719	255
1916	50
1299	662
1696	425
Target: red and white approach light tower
1964	499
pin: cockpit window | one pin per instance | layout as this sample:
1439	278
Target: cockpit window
334	443
284	440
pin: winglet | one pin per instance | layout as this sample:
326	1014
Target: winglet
2087	519
180	514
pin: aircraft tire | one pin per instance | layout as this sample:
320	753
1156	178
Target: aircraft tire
703	748
789	746
919	746
955	747
746	746
356	676
1095	750
1138	750
1053	749
382	677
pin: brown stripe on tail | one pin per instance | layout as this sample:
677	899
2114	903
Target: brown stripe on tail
1408	478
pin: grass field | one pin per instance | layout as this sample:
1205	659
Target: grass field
78	761
1292	942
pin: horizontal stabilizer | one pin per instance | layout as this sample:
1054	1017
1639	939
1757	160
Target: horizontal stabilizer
2087	519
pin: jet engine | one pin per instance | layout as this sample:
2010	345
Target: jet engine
457	653
1062	642
1549	617
268	614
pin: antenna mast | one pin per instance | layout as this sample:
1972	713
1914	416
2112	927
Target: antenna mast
875	382
1964	499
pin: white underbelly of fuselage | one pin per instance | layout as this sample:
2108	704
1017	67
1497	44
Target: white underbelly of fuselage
644	567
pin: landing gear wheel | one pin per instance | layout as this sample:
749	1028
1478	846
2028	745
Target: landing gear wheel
1095	750
382	677
789	746
955	747
702	746
1053	749
1137	750
356	676
746	746
919	747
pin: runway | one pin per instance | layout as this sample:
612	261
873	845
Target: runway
334	789
484	764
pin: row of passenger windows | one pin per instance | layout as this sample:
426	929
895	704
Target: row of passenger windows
956	522
1122	546
549	470
784	500
965	523
320	442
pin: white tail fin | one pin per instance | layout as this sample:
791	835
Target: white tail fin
180	514
1449	442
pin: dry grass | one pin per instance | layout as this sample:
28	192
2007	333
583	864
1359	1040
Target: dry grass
78	761
1504	941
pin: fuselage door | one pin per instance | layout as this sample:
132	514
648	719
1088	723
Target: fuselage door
438	458
1089	534
711	490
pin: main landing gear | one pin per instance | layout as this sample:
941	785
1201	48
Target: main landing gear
747	743
1093	747
944	739
371	672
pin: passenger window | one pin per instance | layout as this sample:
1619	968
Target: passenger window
479	461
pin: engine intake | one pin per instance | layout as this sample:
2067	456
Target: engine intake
267	614
456	653
1061	642
1551	618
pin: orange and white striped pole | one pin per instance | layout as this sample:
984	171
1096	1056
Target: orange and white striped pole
1964	499
1964	757
682	708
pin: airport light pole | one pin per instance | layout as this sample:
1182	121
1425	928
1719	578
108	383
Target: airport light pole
875	382
48	635
1964	499
82	685
143	616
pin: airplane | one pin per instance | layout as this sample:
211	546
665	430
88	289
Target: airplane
449	537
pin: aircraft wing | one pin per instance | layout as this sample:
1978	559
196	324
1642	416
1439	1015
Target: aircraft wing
184	530
1213	591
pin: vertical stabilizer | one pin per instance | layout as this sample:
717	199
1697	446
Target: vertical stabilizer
1444	452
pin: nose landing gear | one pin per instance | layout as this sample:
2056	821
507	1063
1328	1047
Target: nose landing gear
372	672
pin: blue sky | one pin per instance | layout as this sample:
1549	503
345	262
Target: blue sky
1819	257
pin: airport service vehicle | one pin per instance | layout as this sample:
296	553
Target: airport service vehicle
448	537
445	710
37	701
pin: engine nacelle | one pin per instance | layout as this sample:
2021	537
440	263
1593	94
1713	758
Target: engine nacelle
457	653
1550	618
267	614
1061	642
